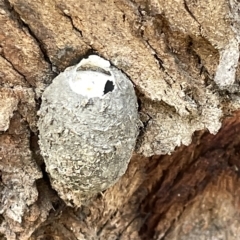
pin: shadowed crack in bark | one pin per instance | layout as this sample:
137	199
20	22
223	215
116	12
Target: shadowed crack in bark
68	16
159	60
17	17
160	63
70	19
192	16
154	52
128	225
42	48
15	69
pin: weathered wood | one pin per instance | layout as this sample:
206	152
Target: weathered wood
182	57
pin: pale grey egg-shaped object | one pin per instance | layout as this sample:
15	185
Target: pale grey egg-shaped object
88	126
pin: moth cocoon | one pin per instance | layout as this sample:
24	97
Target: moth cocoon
88	125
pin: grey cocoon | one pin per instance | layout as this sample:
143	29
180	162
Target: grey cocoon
87	142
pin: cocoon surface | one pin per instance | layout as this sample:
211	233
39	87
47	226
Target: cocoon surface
88	125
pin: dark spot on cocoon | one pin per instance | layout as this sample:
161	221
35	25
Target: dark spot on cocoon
109	86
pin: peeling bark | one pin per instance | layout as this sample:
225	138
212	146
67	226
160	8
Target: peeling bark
183	58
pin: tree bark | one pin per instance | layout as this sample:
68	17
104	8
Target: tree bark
182	56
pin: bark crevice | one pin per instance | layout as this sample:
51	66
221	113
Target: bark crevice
192	15
43	50
15	69
77	30
17	16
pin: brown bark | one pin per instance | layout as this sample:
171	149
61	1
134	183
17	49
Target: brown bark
182	57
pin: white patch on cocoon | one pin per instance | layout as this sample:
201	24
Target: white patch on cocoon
91	83
95	60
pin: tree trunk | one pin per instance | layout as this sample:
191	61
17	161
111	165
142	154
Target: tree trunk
182	56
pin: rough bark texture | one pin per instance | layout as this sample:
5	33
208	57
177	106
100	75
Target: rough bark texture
182	57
